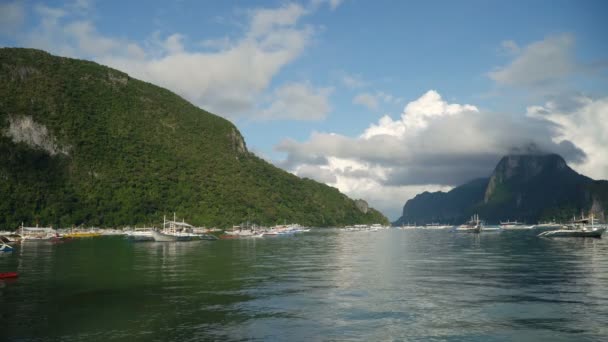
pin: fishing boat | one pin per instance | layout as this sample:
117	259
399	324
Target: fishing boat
174	231
514	225
584	227
9	275
473	226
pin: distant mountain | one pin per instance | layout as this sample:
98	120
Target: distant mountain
527	187
82	143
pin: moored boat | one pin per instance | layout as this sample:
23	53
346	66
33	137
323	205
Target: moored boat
473	226
173	231
140	234
38	234
585	227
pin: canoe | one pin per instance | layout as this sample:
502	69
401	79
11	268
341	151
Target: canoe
7	275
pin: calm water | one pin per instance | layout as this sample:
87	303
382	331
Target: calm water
323	285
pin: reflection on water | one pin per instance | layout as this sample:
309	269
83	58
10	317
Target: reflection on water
325	285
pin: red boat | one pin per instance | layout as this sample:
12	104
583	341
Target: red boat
8	275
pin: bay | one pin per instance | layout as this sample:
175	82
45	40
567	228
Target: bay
323	285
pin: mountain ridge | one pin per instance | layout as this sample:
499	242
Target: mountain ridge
526	187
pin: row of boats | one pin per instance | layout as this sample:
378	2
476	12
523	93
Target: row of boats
583	227
171	231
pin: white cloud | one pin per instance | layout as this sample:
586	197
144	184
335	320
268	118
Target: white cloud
433	145
227	77
368	100
586	124
12	16
298	101
539	63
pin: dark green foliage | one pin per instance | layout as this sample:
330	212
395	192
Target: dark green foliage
527	188
136	152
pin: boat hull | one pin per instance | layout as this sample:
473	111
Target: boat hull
468	229
5	248
9	275
162	237
592	233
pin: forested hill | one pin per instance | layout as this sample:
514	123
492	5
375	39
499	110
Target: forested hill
82	143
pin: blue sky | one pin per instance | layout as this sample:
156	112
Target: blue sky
382	99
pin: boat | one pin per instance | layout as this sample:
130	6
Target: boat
38	233
549	224
437	226
4	248
175	231
473	226
76	234
514	225
140	234
9	275
584	227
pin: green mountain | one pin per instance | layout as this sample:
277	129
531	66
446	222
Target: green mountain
527	188
82	143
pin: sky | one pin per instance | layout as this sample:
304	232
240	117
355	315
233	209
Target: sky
380	99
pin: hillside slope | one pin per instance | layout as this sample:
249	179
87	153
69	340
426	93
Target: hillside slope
86	144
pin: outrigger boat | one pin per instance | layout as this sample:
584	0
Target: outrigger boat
585	227
178	231
473	226
38	233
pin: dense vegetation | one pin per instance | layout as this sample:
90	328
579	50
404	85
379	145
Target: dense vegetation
81	143
527	188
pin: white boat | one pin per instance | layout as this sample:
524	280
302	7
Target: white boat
473	226
437	226
514	225
174	231
38	233
585	227
140	234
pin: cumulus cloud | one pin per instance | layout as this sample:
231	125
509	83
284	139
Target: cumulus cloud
12	16
298	101
433	144
227	76
585	121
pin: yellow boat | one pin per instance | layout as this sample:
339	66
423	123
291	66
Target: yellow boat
81	234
